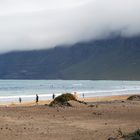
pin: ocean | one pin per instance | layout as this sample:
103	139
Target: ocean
11	90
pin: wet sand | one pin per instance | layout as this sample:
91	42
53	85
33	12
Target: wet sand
39	122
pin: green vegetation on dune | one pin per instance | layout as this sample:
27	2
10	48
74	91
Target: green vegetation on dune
134	98
63	100
130	136
133	136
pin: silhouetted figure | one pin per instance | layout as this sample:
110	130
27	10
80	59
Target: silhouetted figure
83	96
37	98
75	95
53	96
20	100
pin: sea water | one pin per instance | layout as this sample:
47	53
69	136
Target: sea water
11	90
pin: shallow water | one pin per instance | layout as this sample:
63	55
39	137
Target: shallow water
11	90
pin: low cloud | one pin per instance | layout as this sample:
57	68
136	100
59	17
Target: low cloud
37	24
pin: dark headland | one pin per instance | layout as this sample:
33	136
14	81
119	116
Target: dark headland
116	58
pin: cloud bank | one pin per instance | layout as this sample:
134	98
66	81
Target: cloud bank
37	24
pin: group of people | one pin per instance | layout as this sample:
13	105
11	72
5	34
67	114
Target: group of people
37	98
53	97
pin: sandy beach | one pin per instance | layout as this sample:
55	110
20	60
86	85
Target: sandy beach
102	120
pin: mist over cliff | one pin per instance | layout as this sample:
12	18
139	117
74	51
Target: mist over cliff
38	24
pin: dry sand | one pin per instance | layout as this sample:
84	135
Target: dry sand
80	122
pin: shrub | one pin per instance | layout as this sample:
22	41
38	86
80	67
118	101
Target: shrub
63	100
134	98
133	136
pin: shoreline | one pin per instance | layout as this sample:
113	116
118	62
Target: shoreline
88	100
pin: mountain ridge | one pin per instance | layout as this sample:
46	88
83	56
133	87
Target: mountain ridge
115	58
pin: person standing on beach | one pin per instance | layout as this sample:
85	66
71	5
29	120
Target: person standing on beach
53	96
20	100
37	98
83	96
76	95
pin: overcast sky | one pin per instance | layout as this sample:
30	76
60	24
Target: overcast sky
37	24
